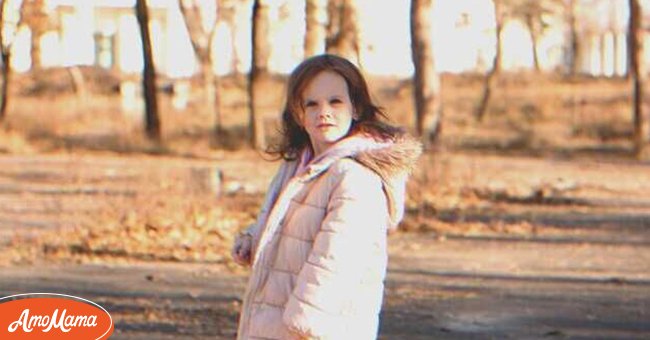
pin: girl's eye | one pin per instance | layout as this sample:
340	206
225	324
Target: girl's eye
335	101
310	104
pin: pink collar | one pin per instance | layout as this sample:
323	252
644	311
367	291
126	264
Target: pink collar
305	157
345	147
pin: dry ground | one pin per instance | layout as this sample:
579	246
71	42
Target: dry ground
534	224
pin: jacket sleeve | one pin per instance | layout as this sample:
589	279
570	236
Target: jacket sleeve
255	229
346	246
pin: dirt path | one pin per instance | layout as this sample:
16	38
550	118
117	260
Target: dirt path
455	289
582	271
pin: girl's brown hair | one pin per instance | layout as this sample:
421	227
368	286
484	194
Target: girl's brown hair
294	137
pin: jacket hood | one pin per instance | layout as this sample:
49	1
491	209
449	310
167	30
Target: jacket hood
393	160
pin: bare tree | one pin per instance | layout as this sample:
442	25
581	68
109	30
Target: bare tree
7	35
259	72
5	53
342	30
535	14
530	12
426	80
202	43
635	46
314	29
35	16
228	10
534	23
574	44
152	126
490	77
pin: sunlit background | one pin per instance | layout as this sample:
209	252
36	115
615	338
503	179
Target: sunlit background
535	183
105	32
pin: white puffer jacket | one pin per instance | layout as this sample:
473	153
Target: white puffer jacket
319	254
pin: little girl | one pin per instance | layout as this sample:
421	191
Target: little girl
318	248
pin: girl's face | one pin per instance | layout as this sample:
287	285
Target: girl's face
328	110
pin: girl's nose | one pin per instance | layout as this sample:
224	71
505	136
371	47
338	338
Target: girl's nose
325	111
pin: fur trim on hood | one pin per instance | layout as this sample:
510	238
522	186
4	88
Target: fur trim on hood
393	164
393	160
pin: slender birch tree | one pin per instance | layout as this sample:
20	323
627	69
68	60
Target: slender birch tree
343	37
314	28
574	43
426	80
535	14
259	72
202	43
490	77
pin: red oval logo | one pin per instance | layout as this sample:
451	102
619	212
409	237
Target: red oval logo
53	316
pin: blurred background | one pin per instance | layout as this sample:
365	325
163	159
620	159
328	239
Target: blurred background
132	138
469	58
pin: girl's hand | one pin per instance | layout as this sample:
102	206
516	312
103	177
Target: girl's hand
241	250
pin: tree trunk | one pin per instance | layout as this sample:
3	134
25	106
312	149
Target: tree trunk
314	30
532	30
6	77
574	44
426	80
36	17
635	55
213	86
488	82
617	58
152	122
37	33
602	54
228	13
536	66
202	43
342	30
333	23
5	53
258	73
